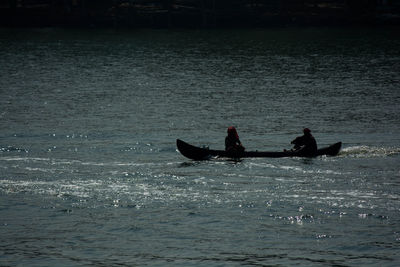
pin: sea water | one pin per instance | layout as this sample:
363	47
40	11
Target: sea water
90	174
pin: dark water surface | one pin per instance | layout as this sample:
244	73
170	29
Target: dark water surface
90	175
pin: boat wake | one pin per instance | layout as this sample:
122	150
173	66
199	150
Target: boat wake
369	151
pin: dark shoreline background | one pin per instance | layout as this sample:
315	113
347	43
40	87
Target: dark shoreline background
197	13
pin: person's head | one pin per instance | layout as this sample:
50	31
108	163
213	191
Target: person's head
306	131
232	132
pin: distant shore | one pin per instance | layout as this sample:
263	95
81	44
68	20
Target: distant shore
196	14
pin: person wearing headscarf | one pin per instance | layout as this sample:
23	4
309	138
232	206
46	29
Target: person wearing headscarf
232	141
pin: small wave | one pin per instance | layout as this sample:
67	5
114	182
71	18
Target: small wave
57	161
296	219
295	169
368	151
13	149
24	159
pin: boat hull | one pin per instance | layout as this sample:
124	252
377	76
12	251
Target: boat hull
198	153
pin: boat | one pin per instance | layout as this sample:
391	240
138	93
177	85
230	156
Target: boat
198	153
